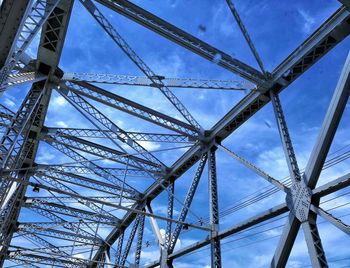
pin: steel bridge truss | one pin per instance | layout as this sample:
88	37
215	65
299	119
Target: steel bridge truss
71	220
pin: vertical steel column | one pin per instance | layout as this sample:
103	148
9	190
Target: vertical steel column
188	201
118	253
128	244
139	240
170	210
214	210
168	231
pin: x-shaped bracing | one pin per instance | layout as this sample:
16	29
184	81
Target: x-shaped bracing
299	197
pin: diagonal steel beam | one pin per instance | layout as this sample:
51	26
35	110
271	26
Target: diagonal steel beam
255	169
187	203
329	126
333	220
332	186
55	233
245	34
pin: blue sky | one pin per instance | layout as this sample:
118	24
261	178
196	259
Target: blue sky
277	28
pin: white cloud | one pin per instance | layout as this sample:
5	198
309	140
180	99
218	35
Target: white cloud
150	146
46	157
308	21
61	124
58	101
9	103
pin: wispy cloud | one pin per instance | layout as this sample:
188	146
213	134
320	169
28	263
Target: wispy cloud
308	21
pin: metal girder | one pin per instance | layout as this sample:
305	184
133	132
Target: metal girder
118	39
75	227
134	80
59	223
313	242
105	152
15	135
72	199
5	110
188	200
84	170
137	136
329	34
47	260
329	126
286	241
23	78
19	155
213	210
184	39
139	240
6	116
170	212
50	248
118	252
37	204
40	204
24	263
85	182
55	233
58	185
129	242
298	199
128	106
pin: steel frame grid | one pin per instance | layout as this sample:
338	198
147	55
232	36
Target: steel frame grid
19	144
